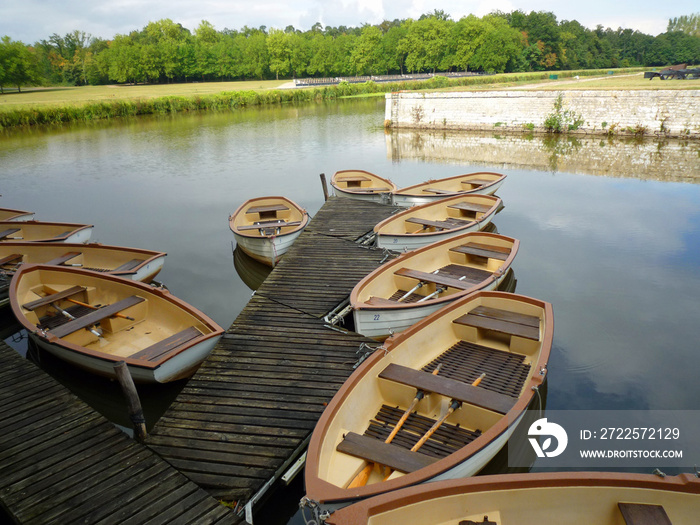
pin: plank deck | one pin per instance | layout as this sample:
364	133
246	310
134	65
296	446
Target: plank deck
250	409
61	462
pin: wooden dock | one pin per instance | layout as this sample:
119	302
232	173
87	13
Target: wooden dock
249	411
61	462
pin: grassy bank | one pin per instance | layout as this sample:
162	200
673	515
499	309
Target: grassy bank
60	105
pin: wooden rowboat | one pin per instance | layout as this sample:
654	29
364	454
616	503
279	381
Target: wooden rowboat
95	320
266	227
564	498
403	291
360	184
131	263
480	183
15	215
435	221
36	231
457	418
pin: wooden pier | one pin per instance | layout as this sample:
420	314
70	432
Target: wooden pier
249	411
61	462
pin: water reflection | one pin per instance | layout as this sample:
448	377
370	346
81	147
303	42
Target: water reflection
251	272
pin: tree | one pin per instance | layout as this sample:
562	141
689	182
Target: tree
18	65
689	24
425	43
366	57
280	52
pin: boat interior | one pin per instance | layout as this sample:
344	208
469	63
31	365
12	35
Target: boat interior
451	271
471	365
441	217
359	181
29	231
118	320
448	186
267	217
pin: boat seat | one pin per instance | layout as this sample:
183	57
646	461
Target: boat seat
160	349
444	225
439	191
483	250
96	316
377	451
6	233
434	278
447	387
643	514
352	178
367	190
505	322
33	305
63	258
470	206
477	182
129	267
472	522
267	224
265	209
62	235
11	258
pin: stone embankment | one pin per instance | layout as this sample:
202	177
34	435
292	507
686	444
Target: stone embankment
664	113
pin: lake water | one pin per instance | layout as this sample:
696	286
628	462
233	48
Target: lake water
615	250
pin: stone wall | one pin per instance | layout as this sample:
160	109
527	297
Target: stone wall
642	113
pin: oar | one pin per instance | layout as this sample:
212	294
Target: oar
361	479
72	318
79	303
453	406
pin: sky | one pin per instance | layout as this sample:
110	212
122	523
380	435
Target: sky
32	20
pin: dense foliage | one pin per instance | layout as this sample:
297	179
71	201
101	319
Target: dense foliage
164	51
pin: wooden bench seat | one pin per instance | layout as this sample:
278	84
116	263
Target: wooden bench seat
434	278
464	392
483	250
503	321
265	209
470	206
6	233
11	258
439	191
160	349
477	182
96	316
352	178
129	267
63	258
380	301
643	514
52	298
267	224
359	189
377	451
443	225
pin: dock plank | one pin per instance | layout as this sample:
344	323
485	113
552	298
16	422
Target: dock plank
60	461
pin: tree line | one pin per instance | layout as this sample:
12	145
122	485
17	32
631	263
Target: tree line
165	51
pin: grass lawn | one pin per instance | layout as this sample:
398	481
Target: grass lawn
65	96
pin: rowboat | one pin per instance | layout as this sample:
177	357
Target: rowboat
36	231
265	227
95	320
360	184
450	422
435	221
7	215
403	291
564	498
131	263
480	183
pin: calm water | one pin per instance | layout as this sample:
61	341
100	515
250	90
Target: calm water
619	258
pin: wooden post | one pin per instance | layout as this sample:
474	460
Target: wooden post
325	186
132	399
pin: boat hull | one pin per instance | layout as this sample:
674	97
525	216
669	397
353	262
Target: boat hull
379	323
179	367
379	197
267	250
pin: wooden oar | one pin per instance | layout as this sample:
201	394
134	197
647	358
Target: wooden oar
453	406
80	303
72	318
361	479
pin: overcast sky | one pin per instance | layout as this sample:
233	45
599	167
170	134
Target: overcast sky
33	20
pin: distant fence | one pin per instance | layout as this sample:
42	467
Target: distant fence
327	81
